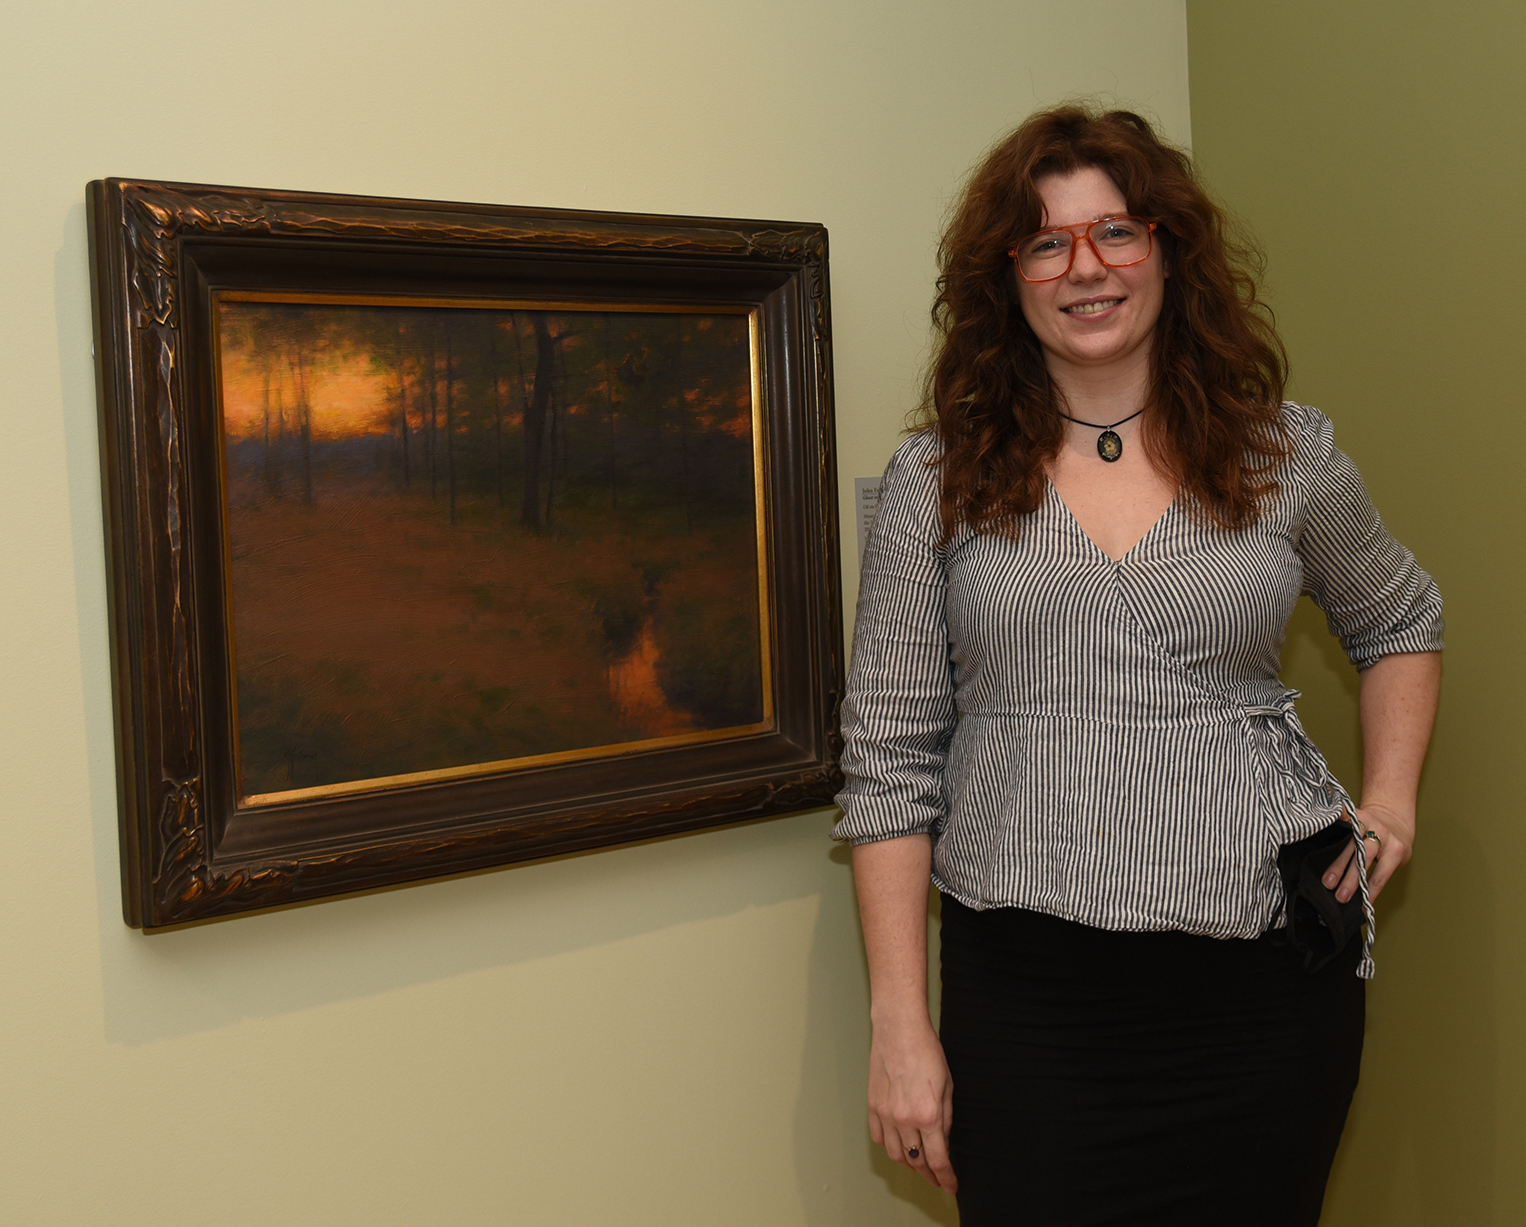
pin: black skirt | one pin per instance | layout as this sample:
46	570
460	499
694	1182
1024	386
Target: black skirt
1141	1078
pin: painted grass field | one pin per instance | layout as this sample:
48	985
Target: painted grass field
373	638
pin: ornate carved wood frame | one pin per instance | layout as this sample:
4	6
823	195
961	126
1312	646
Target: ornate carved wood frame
160	251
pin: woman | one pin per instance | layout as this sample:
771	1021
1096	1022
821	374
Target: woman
1064	708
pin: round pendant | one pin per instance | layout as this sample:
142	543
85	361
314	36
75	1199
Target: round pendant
1109	446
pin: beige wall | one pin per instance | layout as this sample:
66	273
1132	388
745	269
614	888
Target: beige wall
1376	148
668	1034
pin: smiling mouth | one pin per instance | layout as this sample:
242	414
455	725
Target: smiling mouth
1092	308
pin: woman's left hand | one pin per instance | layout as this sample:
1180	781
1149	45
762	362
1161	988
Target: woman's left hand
1390	844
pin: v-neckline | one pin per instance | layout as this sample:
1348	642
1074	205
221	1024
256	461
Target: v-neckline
1087	537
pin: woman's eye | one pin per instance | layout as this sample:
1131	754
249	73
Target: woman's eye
1047	245
1118	232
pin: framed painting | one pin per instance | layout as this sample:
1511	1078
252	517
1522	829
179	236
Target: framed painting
443	536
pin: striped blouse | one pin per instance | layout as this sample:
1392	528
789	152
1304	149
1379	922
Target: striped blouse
1109	741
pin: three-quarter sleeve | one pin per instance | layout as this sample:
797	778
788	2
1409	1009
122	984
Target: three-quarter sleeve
898	710
1376	598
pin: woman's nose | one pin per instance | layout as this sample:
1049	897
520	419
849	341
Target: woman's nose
1086	264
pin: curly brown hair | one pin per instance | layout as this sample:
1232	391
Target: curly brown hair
1217	365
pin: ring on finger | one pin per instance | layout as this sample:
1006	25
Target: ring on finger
1374	836
913	1152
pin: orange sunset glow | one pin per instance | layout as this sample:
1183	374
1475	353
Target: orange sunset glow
348	397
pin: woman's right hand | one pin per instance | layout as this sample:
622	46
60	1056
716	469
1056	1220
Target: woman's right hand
911	1098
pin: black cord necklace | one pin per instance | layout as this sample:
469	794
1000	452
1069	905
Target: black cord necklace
1109	445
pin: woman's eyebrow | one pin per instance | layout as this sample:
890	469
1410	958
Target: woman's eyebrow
1106	217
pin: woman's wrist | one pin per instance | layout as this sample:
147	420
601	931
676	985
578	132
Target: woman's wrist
900	1014
1398	812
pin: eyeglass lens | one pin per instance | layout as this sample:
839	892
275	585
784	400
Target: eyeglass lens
1118	241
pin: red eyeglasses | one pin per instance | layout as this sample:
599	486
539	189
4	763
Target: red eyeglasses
1116	241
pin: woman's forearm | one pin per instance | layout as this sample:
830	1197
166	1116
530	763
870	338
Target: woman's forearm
891	876
1398	707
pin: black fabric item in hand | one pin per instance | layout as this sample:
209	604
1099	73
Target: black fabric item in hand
1319	924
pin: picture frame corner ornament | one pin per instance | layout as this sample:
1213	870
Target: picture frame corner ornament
804	243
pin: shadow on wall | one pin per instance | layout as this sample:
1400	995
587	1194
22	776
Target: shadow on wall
199	979
837	1187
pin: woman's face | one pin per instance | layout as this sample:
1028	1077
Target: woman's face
1094	320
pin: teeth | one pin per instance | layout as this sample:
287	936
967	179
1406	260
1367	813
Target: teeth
1091	308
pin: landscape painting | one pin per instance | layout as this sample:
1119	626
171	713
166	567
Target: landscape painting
469	536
